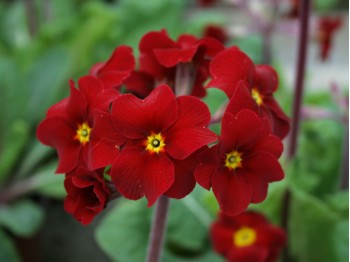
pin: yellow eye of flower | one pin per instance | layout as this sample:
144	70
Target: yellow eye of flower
233	160
155	143
257	96
244	237
83	133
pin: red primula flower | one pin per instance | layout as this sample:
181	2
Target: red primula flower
206	3
217	32
161	134
160	56
242	164
87	192
247	237
231	66
327	26
68	123
116	69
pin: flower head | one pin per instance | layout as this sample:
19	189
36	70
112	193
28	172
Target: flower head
87	194
229	68
247	237
241	165
68	124
162	132
327	26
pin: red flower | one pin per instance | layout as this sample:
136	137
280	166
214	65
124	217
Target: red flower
293	11
68	123
161	132
160	56
88	194
327	26
116	69
217	32
247	237
206	3
242	164
231	66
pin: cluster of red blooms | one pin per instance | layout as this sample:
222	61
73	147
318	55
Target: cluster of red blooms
154	139
247	237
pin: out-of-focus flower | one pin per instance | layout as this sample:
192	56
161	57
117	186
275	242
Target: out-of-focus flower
241	165
327	26
248	237
217	32
87	194
206	3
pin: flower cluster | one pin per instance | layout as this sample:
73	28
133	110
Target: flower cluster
154	138
247	237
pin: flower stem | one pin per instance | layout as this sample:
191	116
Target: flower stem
156	239
298	96
299	83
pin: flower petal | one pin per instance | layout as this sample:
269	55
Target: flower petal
136	118
172	56
208	163
266	78
264	166
240	132
190	131
228	67
233	190
57	133
184	181
250	253
137	173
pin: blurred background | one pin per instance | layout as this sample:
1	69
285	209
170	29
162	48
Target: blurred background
44	43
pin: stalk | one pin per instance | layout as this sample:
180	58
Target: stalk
297	103
156	239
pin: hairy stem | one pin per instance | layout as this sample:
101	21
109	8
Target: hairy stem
156	239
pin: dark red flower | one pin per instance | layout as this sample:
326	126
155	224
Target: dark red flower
116	69
68	123
247	237
206	3
161	132
241	165
293	11
217	32
327	26
87	194
160	57
231	66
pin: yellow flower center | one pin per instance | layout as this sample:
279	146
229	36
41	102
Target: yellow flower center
155	143
233	160
83	133
257	96
244	237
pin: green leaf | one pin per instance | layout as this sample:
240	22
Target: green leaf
124	232
314	233
23	217
189	233
47	183
8	251
14	141
46	76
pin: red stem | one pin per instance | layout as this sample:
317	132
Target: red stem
156	239
298	97
299	84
